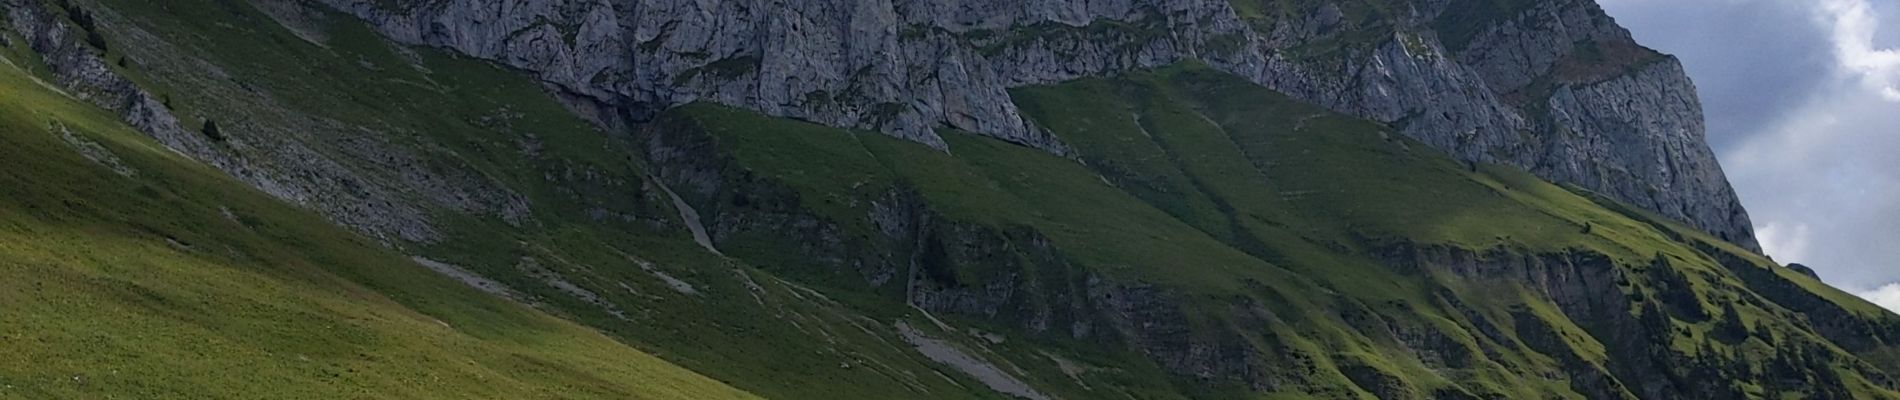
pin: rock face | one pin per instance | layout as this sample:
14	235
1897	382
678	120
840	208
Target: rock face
292	161
1553	87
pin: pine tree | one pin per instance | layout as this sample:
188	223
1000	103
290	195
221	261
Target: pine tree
1731	329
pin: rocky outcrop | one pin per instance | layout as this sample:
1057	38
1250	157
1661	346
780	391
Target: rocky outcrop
1804	270
80	71
353	175
1639	315
1669	171
1524	85
1607	114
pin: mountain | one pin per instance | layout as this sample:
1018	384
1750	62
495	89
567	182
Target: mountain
1553	87
133	271
1388	199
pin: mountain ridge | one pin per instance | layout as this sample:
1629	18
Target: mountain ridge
1556	88
1201	235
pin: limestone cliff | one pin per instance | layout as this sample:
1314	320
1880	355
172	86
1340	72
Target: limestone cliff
1553	87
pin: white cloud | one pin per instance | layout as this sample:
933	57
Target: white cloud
1821	183
1886	296
1787	241
1855	25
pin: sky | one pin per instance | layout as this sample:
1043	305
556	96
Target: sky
1803	106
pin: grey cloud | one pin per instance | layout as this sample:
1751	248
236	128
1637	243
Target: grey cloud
1813	150
1890	37
1749	58
1823	185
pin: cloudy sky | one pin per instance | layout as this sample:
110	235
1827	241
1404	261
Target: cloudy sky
1803	102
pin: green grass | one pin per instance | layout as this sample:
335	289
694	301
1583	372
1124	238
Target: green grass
168	282
461	114
1304	181
1197	181
987	180
992	182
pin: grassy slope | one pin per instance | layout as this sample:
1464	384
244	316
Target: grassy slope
1336	182
740	325
1229	183
169	282
991	182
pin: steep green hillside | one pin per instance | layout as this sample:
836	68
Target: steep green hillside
326	106
1295	182
1315	254
1208	238
128	271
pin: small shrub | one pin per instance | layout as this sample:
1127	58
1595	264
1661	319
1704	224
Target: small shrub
96	41
211	131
